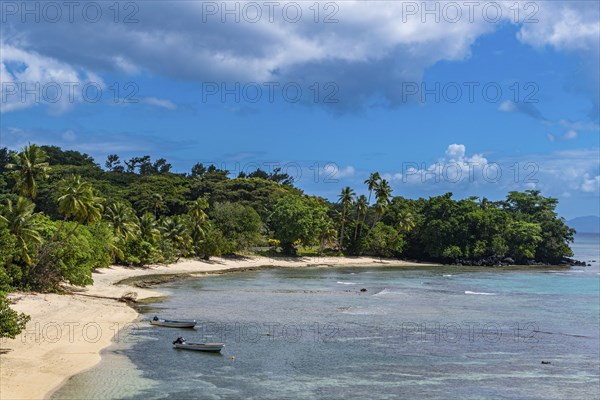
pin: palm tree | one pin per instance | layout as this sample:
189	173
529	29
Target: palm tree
380	208
21	223
122	219
362	206
196	209
149	228
174	229
156	203
28	166
345	198
406	221
383	192
372	183
198	218
77	200
327	235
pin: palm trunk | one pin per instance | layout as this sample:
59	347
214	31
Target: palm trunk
342	232
375	220
365	214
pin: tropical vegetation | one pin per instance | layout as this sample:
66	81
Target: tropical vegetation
62	216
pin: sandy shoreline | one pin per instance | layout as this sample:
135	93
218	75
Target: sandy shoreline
67	332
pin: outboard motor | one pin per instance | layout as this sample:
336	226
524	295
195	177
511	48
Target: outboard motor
179	340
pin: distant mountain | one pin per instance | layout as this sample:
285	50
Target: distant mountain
589	224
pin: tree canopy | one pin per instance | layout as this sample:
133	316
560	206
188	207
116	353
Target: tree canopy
62	216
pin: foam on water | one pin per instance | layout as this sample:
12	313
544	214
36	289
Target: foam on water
480	293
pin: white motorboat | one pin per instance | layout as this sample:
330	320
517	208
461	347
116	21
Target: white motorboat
181	343
172	323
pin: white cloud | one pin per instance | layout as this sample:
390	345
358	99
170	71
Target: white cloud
164	103
456	150
551	137
507	106
573	171
125	65
580	125
570	135
373	48
345	172
69	135
377	40
29	79
590	185
564	25
524	108
455	167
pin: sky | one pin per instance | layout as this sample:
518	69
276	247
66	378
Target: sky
474	98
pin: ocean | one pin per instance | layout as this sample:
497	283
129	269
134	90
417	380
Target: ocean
422	332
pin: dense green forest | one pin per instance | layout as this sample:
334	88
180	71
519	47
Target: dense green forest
63	215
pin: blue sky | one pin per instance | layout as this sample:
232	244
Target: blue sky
398	92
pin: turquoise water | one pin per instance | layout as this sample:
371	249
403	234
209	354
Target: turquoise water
443	332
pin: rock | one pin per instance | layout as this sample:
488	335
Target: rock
508	260
546	362
129	297
575	263
363	290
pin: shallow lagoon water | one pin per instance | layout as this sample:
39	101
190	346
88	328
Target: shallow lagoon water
439	332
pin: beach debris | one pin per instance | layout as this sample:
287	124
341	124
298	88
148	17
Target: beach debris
129	297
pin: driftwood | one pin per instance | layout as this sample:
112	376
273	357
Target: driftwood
129	297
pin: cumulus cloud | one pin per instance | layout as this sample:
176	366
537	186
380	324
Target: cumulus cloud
573	171
455	167
570	135
573	27
368	49
69	135
456	150
525	108
569	26
28	79
590	185
580	125
163	103
345	172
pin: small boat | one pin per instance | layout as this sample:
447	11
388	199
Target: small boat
171	323
181	343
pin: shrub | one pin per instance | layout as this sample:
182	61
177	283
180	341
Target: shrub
11	322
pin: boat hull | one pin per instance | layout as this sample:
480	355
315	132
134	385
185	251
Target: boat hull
206	347
174	324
